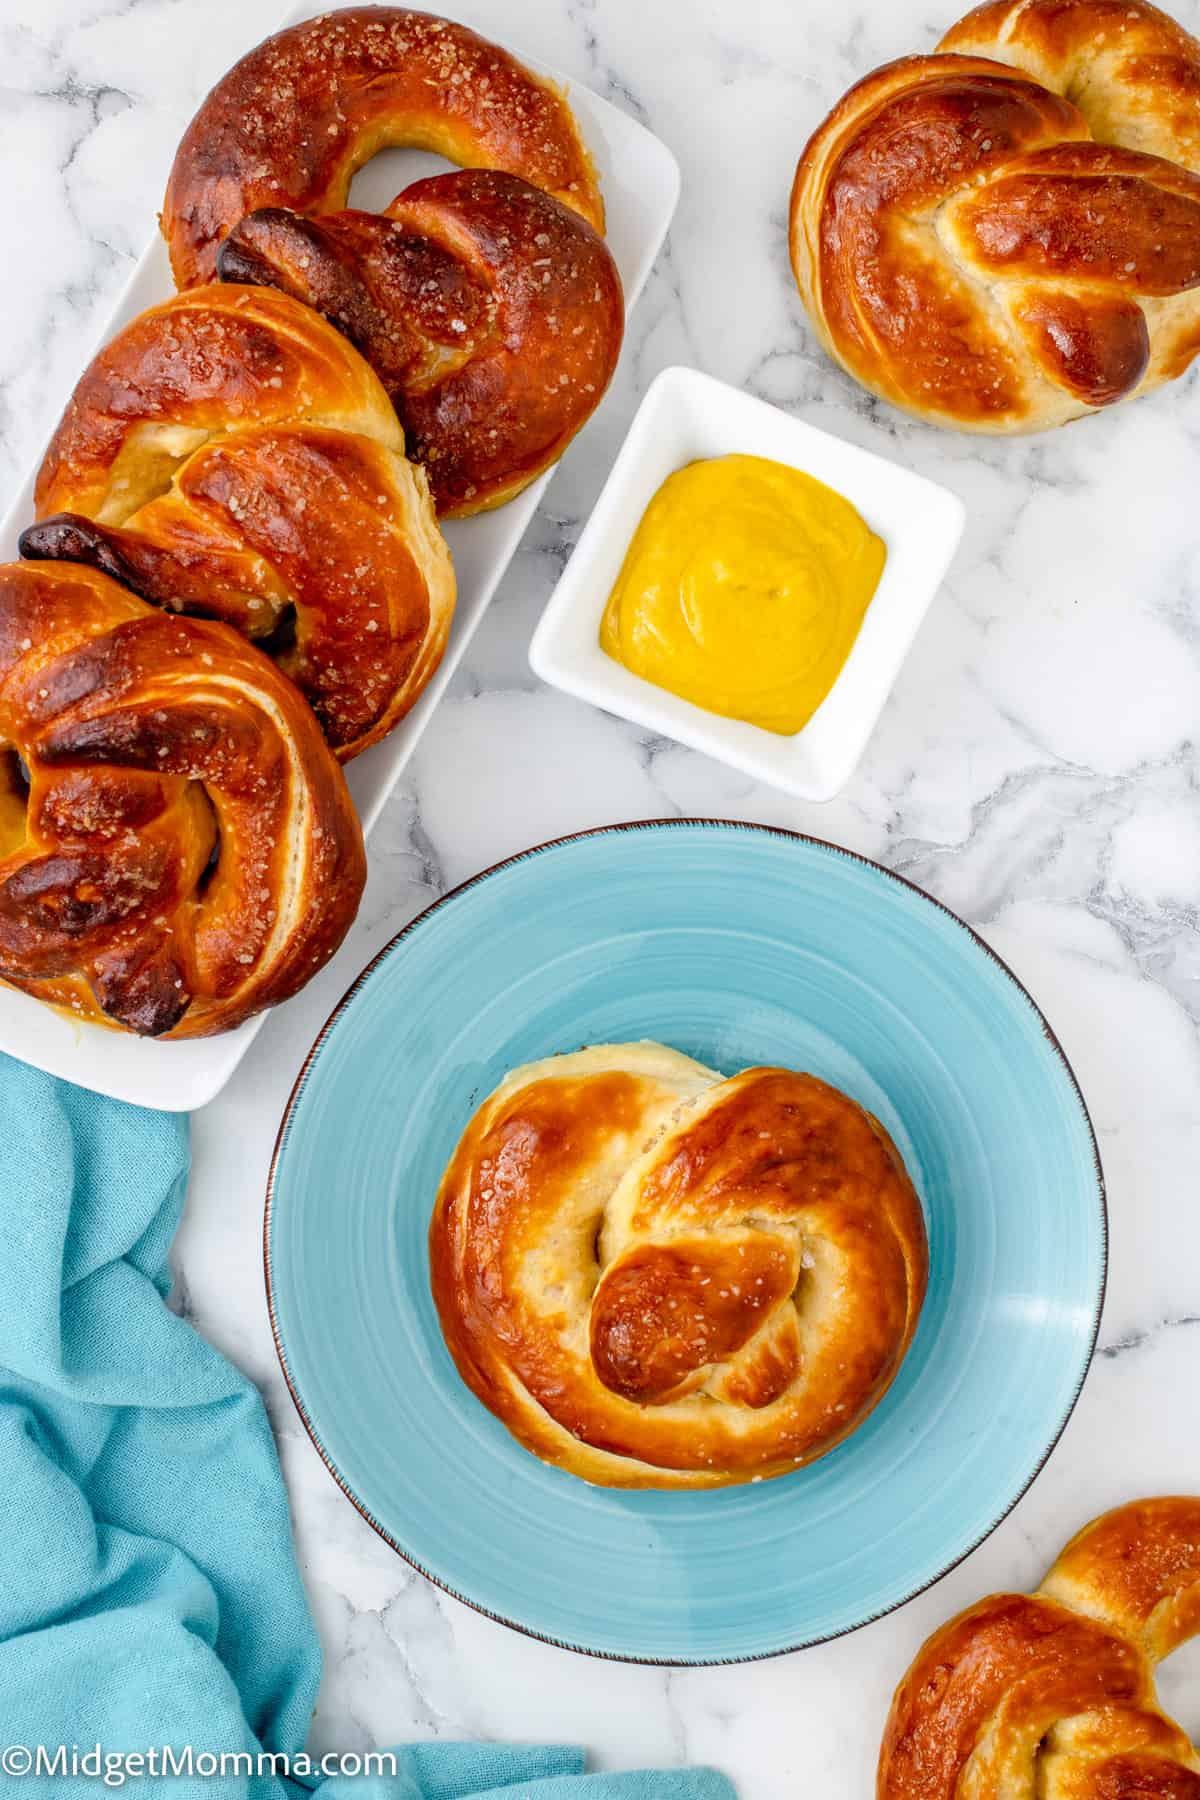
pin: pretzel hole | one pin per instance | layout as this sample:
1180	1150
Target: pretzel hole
805	1272
1177	1679
282	636
146	466
205	877
14	800
388	172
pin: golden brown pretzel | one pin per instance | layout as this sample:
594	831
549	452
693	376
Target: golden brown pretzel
290	123
1052	1694
659	1278
177	844
229	453
492	313
1006	235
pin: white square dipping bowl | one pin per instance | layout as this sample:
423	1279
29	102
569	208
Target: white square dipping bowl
687	416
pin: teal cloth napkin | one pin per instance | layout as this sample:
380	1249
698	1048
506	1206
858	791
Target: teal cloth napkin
149	1594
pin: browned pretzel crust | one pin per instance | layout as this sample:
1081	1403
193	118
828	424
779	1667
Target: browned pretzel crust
492	313
230	454
1052	1694
1006	235
178	848
659	1278
293	120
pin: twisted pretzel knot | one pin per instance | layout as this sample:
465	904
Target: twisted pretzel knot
659	1278
486	300
292	121
230	454
1052	1694
1006	244
492	314
177	844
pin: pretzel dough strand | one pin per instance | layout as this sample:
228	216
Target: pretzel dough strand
492	313
292	121
1052	1694
231	454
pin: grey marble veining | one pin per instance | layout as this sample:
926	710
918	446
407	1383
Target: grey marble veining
1036	769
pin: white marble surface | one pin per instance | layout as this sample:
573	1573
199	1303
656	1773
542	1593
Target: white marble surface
1036	769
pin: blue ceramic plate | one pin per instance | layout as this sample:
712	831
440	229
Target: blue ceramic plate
738	945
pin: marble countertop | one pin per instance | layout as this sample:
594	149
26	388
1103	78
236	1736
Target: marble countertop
1036	769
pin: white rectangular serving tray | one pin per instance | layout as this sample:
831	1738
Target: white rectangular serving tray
639	180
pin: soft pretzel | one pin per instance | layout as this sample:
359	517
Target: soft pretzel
230	454
1006	235
177	844
659	1278
492	313
290	123
1052	1694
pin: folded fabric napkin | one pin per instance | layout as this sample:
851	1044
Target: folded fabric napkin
149	1594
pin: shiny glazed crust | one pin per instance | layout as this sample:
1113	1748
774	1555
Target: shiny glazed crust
229	453
293	120
178	848
1006	235
1052	1694
492	313
659	1278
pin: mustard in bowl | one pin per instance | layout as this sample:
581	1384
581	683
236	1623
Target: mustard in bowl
686	421
743	590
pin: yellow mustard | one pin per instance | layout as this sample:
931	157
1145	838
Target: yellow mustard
743	590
